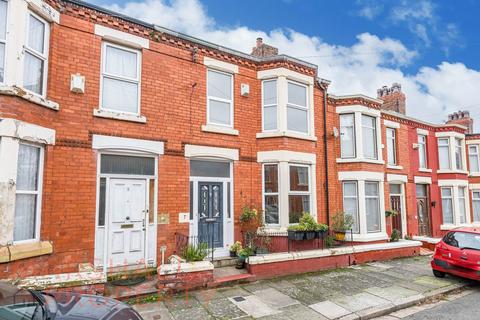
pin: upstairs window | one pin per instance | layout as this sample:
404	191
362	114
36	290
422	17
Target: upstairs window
369	137
422	151
474	158
36	54
219	98
3	37
392	146
297	108
444	153
347	135
270	103
458	154
120	79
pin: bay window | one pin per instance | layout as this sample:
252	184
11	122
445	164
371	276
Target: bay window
372	206
270	193
28	193
458	154
476	205
347	135
422	151
444	153
447	205
369	137
297	108
3	37
474	158
391	146
36	54
219	98
299	192
269	90
350	203
120	79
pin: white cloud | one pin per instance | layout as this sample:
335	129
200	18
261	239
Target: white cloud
368	64
369	9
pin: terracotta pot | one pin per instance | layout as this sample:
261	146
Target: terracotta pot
340	235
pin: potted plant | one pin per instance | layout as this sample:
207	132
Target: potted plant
395	236
391	213
341	224
243	254
234	248
296	232
321	230
250	219
309	225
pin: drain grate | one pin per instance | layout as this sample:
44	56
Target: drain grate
239	299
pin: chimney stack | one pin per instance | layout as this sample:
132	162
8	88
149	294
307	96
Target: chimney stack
263	50
393	98
461	118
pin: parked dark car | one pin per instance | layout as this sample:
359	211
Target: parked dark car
21	304
458	253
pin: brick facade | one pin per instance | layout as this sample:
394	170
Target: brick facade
173	101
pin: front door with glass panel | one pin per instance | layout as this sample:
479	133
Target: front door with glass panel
210	213
423	212
126	239
396	205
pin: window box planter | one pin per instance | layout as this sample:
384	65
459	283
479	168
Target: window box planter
296	235
310	235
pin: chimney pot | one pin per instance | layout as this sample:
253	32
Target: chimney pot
259	42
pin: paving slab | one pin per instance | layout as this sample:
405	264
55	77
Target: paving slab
360	301
392	293
253	306
224	309
275	298
330	309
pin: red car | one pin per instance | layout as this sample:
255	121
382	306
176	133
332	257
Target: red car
458	253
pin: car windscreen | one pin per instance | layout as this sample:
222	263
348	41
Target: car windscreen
463	240
18	304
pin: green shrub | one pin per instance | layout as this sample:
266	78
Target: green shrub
195	252
329	241
395	236
342	222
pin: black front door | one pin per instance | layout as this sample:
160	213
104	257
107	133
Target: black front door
210	213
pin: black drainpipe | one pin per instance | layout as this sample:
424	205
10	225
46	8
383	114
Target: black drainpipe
325	136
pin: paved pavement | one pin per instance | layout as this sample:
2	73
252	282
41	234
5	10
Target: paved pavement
346	293
462	306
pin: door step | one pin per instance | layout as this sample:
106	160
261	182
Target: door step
224	262
226	276
129	272
145	288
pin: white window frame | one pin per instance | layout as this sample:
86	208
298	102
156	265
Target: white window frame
264	194
4	42
104	74
462	198
305	108
455	186
378	207
458	151
449	160
393	141
38	193
375	136
450	198
299	193
353	137
475	199
269	105
475	154
357	218
230	102
422	150
42	56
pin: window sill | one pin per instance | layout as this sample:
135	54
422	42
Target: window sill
425	170
31	97
276	134
452	171
446	227
219	129
367	237
23	251
353	160
475	174
118	116
394	167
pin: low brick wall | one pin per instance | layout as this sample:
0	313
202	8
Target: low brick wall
185	276
317	260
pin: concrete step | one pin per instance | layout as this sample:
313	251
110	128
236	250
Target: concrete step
129	273
224	262
145	288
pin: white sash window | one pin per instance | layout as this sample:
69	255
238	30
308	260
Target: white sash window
3	37
219	98
297	108
474	158
270	103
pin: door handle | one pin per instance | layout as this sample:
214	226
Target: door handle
127	218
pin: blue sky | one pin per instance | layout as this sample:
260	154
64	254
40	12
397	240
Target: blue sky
431	47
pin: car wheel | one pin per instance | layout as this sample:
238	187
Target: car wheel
439	274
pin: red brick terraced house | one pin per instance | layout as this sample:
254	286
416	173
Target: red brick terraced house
117	134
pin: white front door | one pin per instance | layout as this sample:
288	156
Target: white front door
127	209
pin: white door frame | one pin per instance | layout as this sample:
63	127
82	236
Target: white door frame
403	211
101	232
228	228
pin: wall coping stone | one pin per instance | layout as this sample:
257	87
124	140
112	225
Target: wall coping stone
185	267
